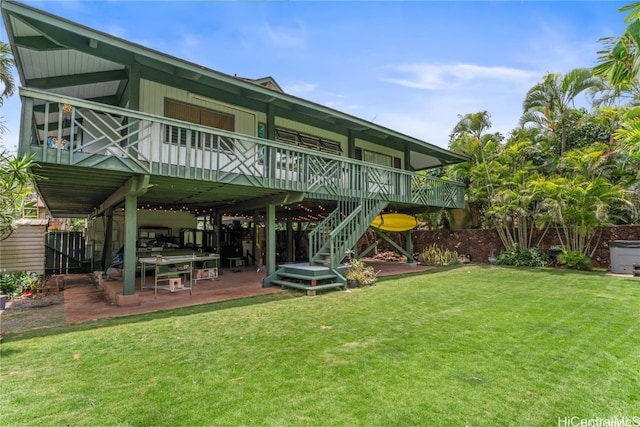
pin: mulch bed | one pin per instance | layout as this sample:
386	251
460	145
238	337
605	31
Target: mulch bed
39	301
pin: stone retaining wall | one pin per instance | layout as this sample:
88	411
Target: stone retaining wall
480	244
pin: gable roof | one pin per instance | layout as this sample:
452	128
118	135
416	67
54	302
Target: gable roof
61	56
268	82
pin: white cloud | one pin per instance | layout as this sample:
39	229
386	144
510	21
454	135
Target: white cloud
291	36
447	77
118	31
299	88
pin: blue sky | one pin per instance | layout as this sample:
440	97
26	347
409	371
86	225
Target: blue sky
412	66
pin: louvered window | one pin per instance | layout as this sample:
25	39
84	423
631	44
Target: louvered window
308	141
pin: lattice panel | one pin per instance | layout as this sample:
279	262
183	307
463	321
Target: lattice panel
243	161
451	196
324	175
378	181
109	133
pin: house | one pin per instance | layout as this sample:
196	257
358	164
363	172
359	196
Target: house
145	145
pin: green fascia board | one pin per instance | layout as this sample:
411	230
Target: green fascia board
38	43
77	79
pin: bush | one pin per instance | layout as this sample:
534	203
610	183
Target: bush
18	283
575	260
523	257
361	273
434	255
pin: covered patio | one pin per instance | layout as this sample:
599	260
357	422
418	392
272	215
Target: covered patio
85	300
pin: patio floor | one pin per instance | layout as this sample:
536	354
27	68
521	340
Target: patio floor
85	301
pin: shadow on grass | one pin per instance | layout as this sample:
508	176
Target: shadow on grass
553	271
146	317
435	269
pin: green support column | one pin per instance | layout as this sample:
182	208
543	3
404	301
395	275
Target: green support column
290	254
270	220
26	123
271	122
407	159
130	228
107	248
218	233
134	103
270	155
351	144
409	244
134	86
255	237
218	227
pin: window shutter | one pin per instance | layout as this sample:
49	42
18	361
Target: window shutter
216	120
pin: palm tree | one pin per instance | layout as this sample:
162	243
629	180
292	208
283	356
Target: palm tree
579	207
6	77
470	137
618	62
15	183
546	104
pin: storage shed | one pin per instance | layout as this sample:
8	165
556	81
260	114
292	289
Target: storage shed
23	250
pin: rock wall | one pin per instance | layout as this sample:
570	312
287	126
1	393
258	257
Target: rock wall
480	244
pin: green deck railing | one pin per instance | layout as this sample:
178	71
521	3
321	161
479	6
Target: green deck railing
78	132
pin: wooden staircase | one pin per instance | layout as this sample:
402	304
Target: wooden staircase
329	243
339	233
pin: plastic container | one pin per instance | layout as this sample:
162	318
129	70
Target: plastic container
624	254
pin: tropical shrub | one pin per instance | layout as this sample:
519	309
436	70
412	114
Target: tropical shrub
19	283
523	257
434	255
359	272
575	260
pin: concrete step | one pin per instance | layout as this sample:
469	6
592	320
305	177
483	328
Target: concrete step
306	287
286	274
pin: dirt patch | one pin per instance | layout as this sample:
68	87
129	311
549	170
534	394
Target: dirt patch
23	314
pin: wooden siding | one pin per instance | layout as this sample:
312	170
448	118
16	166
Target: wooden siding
24	249
152	96
369	146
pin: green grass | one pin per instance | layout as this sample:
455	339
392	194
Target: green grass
465	346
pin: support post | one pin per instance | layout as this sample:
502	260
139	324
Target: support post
256	248
107	248
26	123
290	254
270	220
406	252
218	227
130	227
409	245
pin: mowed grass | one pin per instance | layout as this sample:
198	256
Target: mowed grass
474	345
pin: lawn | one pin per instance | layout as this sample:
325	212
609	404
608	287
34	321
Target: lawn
474	345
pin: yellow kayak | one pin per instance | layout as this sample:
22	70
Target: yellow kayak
395	222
